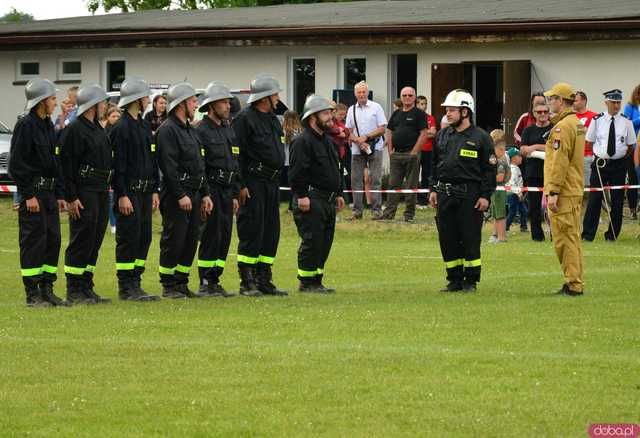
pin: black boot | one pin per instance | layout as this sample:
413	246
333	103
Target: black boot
142	293
184	289
46	290
35	298
308	285
321	287
127	291
469	286
172	292
215	290
76	293
265	283
248	286
452	286
90	293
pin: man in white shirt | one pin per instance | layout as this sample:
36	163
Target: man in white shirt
366	123
613	138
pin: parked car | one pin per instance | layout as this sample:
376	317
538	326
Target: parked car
5	146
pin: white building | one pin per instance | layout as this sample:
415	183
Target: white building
500	50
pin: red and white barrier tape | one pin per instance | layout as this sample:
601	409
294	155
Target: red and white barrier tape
11	189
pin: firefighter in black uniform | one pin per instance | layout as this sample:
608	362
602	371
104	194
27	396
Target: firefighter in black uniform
87	166
220	154
316	181
184	195
135	184
463	179
261	141
35	167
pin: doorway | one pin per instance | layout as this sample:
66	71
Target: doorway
487	92
403	72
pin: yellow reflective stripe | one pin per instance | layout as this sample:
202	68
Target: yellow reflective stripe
153	147
30	272
266	259
307	274
167	271
472	263
248	260
183	269
468	153
140	263
320	271
235	150
125	266
206	263
90	268
49	269
220	263
454	263
73	270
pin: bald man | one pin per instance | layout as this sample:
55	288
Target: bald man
407	131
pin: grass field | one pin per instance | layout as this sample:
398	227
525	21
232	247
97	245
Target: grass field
387	355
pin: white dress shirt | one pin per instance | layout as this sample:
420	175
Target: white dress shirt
598	134
370	117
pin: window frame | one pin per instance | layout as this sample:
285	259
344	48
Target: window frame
69	76
292	75
341	72
26	77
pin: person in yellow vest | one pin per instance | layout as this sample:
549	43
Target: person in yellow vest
563	185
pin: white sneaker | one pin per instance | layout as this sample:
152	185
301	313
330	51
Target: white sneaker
493	239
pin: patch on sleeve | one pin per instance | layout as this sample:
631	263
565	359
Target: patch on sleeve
558	130
493	160
556	145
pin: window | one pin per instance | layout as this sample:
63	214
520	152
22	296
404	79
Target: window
27	70
69	69
354	70
304	81
115	74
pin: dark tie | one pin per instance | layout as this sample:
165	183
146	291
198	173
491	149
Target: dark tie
611	147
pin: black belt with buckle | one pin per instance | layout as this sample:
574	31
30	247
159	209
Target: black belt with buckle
263	171
451	189
47	184
192	182
102	175
221	176
324	194
142	186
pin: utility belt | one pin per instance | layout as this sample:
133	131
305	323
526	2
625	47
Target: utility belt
45	184
93	173
323	194
142	186
455	190
224	177
609	162
192	182
257	168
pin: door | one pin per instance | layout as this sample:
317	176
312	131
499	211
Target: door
516	94
444	78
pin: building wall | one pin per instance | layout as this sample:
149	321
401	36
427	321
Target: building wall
591	66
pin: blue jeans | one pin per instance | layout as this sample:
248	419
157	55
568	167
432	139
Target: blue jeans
516	206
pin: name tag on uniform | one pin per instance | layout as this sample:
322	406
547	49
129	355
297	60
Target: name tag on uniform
235	150
57	151
202	151
153	147
469	154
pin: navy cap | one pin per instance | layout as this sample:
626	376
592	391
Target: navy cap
613	95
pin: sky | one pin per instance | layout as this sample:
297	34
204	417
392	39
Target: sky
48	9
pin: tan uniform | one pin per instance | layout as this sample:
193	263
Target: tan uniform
564	174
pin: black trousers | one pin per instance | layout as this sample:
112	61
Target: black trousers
259	223
85	237
133	236
425	174
535	208
614	173
460	234
216	237
632	178
39	237
316	229
179	241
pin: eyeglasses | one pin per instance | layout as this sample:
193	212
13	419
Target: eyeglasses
542	112
407	95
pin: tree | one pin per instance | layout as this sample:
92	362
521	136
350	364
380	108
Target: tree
15	16
142	5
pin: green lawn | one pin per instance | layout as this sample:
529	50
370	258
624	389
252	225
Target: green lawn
387	355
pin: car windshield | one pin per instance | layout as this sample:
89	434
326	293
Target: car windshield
4	129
